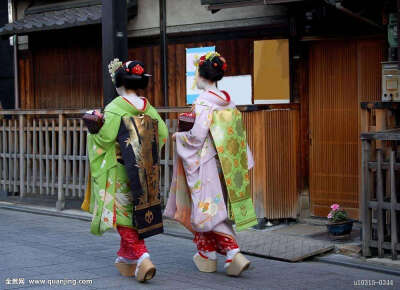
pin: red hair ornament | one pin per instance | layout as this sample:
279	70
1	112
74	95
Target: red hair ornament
137	70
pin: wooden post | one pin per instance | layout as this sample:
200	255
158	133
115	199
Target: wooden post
114	41
21	157
365	198
60	205
393	202
379	196
380	125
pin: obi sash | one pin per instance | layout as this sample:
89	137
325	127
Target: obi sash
229	137
138	142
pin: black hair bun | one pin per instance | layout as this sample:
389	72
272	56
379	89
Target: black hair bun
132	76
212	69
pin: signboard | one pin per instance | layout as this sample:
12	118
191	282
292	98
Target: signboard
238	87
191	55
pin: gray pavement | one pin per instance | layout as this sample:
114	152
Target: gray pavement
45	249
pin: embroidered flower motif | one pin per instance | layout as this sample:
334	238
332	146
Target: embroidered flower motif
230	131
243	160
228	181
137	70
236	163
238	179
233	146
99	151
220	149
197	186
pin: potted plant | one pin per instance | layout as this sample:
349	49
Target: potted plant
339	224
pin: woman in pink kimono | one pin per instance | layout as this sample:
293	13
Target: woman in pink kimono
210	185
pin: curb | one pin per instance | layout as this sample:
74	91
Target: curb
44	212
349	262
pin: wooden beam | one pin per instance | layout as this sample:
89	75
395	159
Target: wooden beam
114	39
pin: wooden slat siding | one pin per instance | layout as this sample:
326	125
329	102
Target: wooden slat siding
74	154
370	55
365	198
53	157
67	158
34	156
47	154
25	80
65	72
273	139
16	150
393	198
41	154
22	149
28	155
10	151
257	144
81	153
4	147
333	117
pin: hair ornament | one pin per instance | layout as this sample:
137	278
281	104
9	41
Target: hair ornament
137	70
114	65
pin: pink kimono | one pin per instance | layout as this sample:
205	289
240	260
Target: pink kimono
197	194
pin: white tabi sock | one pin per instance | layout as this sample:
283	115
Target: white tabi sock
120	259
229	256
141	259
211	255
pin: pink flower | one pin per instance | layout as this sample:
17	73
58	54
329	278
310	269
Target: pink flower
330	216
335	206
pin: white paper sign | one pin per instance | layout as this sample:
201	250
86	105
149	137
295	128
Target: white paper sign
238	87
192	54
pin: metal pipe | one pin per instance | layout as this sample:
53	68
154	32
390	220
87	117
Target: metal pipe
164	49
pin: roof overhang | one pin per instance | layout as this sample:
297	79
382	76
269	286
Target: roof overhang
223	4
59	16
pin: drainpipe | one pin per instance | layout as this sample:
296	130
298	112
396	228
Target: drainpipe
12	15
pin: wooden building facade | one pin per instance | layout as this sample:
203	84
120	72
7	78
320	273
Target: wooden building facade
306	150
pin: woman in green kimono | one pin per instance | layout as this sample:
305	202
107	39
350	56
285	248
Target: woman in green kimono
111	199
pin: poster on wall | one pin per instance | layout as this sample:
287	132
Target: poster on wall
191	55
238	87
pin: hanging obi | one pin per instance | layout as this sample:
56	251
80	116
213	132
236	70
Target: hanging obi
230	141
139	146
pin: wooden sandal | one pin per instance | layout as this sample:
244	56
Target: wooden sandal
238	265
205	264
146	271
126	270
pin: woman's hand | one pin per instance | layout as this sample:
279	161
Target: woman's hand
97	113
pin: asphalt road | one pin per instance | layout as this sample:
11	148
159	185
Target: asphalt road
47	252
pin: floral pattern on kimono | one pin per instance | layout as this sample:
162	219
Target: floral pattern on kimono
196	196
111	199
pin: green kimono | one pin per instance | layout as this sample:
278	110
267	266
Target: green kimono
111	200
